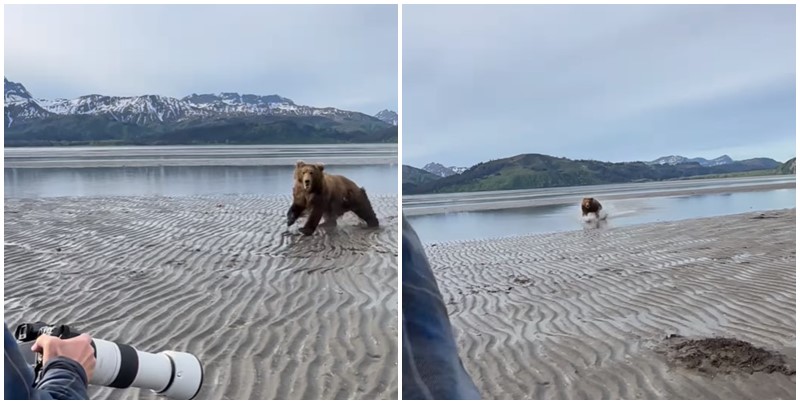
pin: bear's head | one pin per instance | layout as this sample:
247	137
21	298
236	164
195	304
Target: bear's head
587	203
309	176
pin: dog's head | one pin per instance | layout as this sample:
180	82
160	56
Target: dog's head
587	203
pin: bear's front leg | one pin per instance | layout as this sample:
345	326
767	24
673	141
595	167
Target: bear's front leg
330	220
294	212
313	221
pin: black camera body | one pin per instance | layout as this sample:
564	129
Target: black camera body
28	332
172	374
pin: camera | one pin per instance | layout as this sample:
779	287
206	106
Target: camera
176	375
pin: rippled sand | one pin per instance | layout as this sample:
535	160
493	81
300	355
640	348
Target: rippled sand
592	313
270	313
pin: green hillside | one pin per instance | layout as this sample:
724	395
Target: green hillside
541	171
416	176
787	167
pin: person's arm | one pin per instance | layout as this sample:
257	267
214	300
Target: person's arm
62	378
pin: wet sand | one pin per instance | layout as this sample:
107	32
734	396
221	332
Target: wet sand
270	313
598	314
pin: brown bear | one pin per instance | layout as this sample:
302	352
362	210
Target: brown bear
591	205
321	194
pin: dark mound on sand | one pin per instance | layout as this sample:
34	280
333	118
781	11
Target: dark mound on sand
724	355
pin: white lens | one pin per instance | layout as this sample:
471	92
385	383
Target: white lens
155	371
176	375
107	364
188	376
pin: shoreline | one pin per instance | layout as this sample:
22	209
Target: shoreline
433	204
239	162
588	314
201	155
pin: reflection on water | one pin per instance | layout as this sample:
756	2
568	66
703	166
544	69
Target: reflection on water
179	181
549	219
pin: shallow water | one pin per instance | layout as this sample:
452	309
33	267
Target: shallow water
206	155
179	181
557	218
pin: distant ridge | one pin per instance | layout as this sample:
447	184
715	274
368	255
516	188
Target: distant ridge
673	160
195	119
540	171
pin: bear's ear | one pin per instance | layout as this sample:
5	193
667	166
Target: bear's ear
320	167
300	163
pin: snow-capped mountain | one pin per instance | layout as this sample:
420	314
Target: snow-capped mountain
387	116
724	159
141	110
20	105
157	109
251	104
438	169
670	160
674	160
442	171
15	92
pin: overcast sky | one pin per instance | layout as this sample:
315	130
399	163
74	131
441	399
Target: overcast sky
338	56
612	83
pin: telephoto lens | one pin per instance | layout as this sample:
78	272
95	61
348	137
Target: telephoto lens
176	375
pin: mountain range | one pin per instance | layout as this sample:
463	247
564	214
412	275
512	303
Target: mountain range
673	160
541	171
442	171
387	116
194	119
413	175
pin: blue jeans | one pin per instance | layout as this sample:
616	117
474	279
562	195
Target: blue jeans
432	368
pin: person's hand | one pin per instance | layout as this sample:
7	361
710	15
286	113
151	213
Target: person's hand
78	349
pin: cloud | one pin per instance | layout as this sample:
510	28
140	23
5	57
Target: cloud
320	55
615	83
